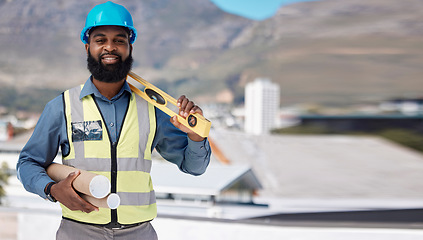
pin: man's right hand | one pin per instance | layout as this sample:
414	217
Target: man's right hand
65	194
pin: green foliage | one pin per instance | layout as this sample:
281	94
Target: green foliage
27	99
4	177
407	138
7	95
302	130
404	137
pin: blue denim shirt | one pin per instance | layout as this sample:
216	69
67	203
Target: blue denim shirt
50	133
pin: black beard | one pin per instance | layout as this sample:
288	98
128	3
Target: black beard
109	73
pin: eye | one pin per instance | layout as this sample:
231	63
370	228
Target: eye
120	41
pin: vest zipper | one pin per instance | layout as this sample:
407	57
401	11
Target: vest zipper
113	179
113	175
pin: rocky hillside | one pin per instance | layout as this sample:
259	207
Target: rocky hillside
329	51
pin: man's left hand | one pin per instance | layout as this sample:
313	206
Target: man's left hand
187	107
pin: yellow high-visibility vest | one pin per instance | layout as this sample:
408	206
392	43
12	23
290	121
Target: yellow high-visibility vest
127	163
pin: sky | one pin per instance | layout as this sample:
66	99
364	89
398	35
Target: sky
253	9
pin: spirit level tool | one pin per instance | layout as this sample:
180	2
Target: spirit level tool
160	99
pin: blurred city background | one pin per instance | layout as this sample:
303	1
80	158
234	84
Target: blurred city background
316	111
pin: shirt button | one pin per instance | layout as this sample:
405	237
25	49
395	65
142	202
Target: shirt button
112	124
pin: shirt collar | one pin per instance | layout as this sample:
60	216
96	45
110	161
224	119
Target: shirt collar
89	88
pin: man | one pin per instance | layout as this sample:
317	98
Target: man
103	127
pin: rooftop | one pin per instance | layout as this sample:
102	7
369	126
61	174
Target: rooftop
326	167
218	178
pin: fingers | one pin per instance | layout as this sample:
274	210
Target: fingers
66	194
77	203
175	122
196	109
71	177
86	206
187	107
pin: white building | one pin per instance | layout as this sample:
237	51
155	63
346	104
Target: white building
3	131
261	106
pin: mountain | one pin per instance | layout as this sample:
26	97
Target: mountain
329	51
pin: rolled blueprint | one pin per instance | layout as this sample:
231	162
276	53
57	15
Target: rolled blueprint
97	186
112	201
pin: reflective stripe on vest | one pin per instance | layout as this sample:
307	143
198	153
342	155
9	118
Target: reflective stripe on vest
131	157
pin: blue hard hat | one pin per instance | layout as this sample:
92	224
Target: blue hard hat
107	14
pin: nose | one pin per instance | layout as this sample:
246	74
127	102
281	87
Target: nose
110	46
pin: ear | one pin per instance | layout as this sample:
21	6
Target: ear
87	47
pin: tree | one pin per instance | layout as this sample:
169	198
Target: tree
4	177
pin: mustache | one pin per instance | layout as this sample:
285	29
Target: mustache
111	53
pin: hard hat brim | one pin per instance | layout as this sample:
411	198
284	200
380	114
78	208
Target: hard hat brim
86	30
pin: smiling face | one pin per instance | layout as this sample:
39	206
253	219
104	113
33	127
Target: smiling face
109	53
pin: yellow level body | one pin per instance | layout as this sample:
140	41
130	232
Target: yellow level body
152	94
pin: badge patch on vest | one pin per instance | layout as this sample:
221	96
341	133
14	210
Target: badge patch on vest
87	131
